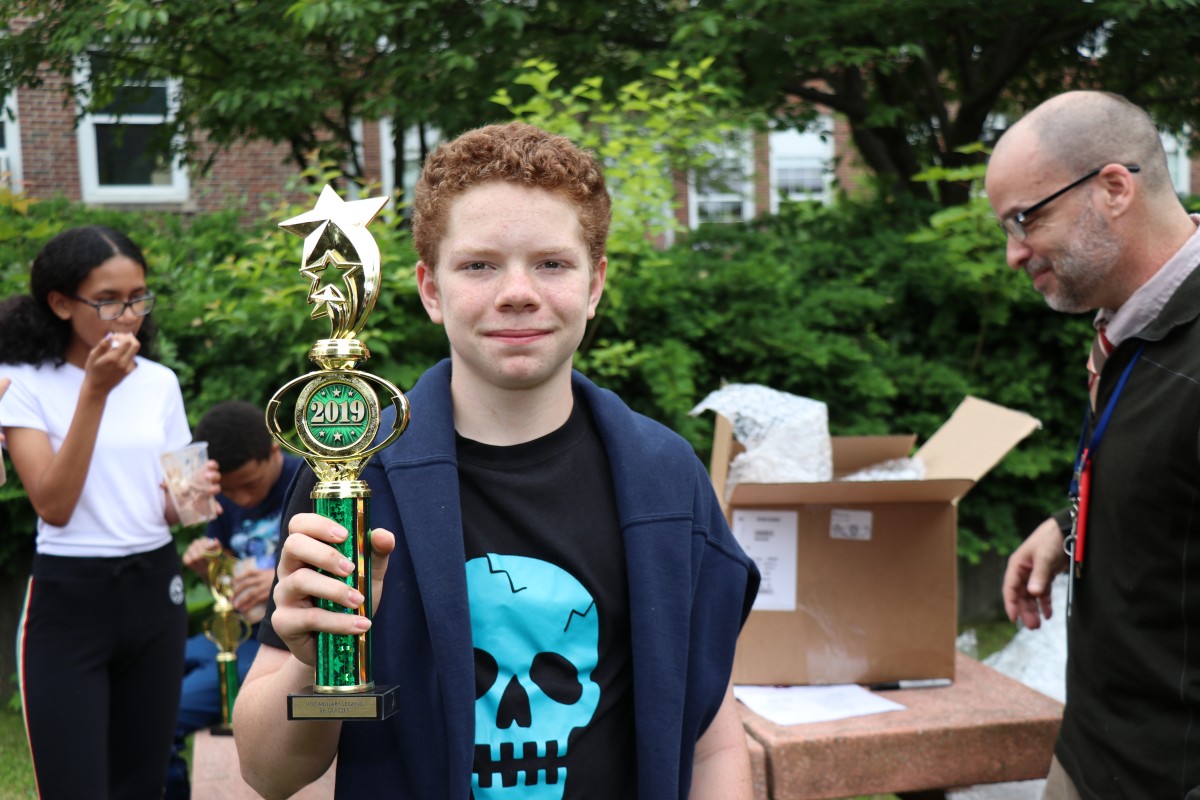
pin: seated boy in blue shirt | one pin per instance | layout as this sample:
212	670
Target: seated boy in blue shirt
255	475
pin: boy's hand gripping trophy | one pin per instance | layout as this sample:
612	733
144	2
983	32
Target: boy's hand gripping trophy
337	417
227	629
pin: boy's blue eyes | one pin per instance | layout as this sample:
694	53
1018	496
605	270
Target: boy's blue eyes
482	265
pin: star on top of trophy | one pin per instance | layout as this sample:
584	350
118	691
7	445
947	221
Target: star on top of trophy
327	241
331	207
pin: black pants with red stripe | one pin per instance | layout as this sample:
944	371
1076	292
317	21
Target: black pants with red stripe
101	652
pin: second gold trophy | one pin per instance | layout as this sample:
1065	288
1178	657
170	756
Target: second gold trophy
337	419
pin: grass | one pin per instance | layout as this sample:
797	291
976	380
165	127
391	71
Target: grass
16	770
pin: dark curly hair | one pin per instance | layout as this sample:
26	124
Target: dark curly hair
30	333
236	433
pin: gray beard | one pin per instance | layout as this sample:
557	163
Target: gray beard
1084	267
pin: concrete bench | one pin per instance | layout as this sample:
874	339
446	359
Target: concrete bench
986	728
216	775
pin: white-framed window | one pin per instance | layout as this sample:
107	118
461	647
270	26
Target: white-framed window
802	164
1179	163
412	155
117	163
724	190
10	145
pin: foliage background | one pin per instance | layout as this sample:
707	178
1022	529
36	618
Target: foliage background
916	80
888	310
884	312
889	322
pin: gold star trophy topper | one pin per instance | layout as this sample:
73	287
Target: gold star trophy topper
337	417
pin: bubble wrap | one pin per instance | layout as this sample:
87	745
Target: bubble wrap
786	436
895	469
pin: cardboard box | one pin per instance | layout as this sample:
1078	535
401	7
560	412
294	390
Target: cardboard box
873	593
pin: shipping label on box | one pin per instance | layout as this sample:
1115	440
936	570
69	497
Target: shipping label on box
847	524
769	537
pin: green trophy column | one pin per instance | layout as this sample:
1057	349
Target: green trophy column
227	665
344	660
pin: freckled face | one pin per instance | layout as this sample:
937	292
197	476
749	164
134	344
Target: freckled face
514	286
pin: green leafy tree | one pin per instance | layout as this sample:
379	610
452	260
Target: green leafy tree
285	72
917	80
669	122
232	313
886	317
301	72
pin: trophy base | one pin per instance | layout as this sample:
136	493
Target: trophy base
379	703
221	730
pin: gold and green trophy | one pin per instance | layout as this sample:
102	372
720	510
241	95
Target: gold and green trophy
227	629
337	417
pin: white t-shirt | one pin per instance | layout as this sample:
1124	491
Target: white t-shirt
122	508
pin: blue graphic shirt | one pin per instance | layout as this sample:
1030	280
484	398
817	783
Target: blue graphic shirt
254	532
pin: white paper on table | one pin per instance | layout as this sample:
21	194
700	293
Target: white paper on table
796	705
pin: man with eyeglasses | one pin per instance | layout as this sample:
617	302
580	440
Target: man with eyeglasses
1081	188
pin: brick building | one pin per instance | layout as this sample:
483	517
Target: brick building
102	162
44	154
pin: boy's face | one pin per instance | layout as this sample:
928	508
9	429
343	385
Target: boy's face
249	484
514	286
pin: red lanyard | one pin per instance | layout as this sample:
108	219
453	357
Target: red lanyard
1081	480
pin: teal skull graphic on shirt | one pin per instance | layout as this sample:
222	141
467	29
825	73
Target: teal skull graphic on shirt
536	637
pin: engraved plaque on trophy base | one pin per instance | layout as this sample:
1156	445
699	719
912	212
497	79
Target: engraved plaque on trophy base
378	703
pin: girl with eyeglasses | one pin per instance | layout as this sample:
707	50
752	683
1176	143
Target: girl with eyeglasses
86	417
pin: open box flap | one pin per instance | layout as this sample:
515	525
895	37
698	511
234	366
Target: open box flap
852	453
975	438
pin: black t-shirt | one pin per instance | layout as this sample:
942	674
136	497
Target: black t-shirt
549	615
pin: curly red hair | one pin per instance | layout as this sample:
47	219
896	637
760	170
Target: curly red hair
514	153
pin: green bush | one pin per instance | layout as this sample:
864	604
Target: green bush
233	321
866	308
888	313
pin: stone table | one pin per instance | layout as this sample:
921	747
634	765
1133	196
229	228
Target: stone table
985	728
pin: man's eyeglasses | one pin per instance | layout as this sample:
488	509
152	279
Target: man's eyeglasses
1014	226
110	310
